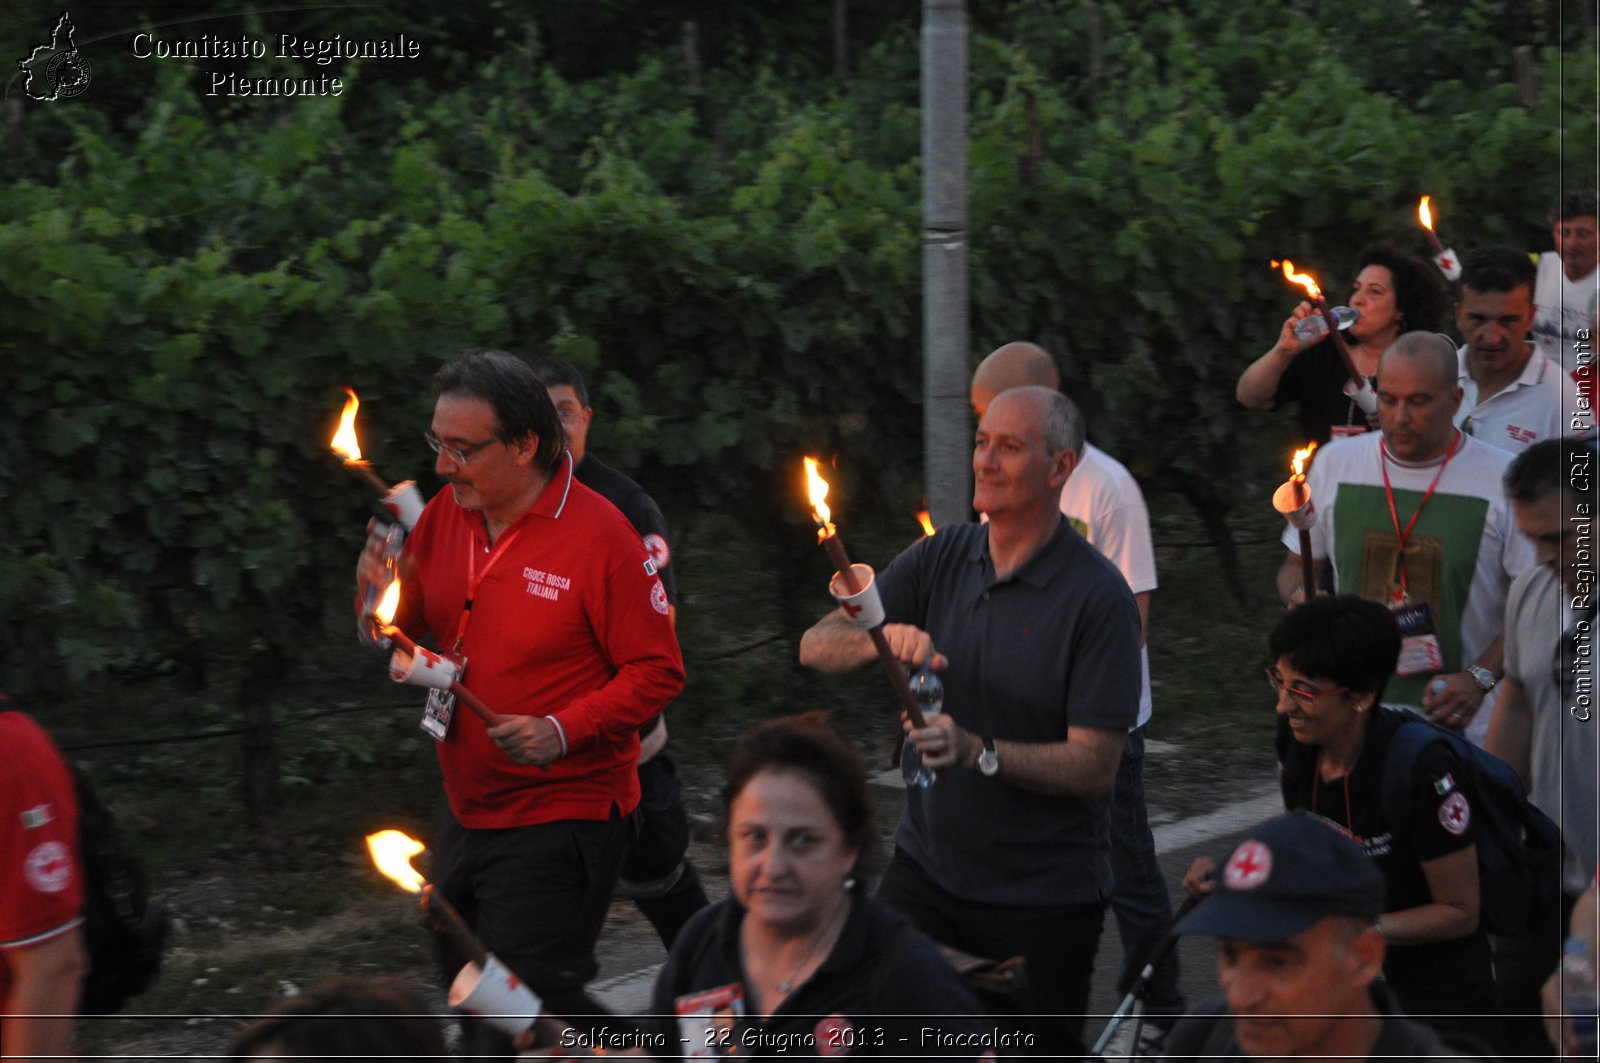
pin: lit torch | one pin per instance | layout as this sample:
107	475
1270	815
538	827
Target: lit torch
857	593
403	499
925	519
1443	257
485	987
1314	294
420	666
1292	500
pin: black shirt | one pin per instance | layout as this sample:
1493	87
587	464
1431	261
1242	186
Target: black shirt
1198	1036
1448	977
924	1009
1315	379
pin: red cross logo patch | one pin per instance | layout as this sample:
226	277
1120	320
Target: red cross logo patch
1248	867
657	546
48	868
1455	813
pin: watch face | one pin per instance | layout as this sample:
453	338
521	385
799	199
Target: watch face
988	762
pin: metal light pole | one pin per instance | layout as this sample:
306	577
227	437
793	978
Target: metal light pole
946	417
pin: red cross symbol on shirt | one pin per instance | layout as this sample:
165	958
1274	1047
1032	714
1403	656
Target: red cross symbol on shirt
1455	813
53	865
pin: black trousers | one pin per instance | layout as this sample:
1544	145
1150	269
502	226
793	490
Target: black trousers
1058	942
537	898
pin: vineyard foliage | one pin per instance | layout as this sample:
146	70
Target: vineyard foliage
725	237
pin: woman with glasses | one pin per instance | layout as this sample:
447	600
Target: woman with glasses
1331	659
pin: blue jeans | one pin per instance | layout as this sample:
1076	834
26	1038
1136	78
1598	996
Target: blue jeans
1139	892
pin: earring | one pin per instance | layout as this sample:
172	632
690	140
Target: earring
849	882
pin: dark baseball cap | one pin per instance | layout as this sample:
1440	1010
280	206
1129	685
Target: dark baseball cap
1292	872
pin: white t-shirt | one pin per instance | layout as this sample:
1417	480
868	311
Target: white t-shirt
1561	308
1105	505
1461	556
1539	404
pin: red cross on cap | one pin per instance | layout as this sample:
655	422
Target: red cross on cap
1248	867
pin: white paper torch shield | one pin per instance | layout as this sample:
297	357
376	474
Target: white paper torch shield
426	669
1449	263
865	609
405	502
1293	501
1364	396
495	994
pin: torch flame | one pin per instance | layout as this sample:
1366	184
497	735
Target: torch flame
384	611
1305	280
1425	215
392	851
1299	461
344	440
925	519
817	492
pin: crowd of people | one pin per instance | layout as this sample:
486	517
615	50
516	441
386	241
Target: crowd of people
1452	571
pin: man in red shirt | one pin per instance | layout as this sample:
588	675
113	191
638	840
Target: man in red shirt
42	956
547	594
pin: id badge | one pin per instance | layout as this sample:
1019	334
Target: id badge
1420	651
707	1021
441	706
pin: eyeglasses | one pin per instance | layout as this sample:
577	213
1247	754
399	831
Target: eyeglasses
459	455
1301	695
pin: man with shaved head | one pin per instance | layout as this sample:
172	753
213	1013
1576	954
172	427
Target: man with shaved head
1103	502
1036	637
1413	517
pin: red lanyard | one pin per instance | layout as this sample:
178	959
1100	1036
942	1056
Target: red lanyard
1316	784
476	578
1405	536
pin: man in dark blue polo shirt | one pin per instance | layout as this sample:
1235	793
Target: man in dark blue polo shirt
1036	636
657	873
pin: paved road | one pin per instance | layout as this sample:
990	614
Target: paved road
631	954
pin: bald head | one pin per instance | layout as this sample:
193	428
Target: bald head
1418	396
1014	365
1428	353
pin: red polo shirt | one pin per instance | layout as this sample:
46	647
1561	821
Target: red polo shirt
568	620
41	881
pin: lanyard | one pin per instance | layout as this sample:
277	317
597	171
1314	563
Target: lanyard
1403	536
476	578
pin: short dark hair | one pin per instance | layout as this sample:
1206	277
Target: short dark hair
1498	269
1418	295
1545	468
1345	638
554	372
1574	203
349	1017
807	745
520	402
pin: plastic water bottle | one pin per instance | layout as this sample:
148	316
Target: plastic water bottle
928	691
393	537
1578	996
1314	327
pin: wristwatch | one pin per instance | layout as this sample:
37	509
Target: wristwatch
989	760
1483	677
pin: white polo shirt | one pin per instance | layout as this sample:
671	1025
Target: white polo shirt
1537	405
